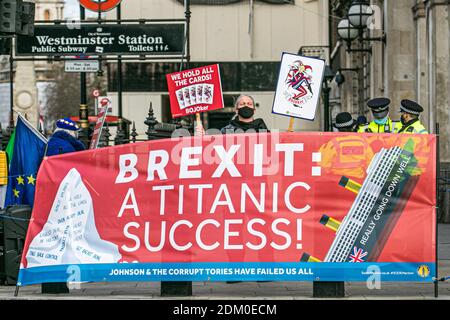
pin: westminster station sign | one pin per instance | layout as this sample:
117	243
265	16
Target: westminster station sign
91	39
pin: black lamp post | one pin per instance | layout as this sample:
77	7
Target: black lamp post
328	76
83	111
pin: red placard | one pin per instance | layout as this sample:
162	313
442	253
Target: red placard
195	90
100	5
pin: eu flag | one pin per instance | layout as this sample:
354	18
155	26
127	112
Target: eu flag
28	152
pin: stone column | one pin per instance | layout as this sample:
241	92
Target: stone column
378	47
421	58
401	53
442	65
25	92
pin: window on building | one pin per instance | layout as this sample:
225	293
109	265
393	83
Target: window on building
47	15
235	76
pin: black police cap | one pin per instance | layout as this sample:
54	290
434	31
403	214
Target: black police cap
379	104
410	107
344	120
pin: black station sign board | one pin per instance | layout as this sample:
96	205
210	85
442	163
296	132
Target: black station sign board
106	39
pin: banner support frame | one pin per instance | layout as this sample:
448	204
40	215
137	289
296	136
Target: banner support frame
16	292
436	282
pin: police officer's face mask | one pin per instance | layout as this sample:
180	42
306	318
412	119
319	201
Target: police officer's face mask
381	121
380	118
346	129
403	118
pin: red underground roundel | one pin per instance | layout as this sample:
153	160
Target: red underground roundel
99	5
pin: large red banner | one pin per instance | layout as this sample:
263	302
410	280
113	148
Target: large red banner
249	198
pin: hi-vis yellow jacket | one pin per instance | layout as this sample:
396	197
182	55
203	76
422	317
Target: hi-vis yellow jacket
413	127
389	127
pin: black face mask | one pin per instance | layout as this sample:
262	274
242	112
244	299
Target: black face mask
403	120
246	112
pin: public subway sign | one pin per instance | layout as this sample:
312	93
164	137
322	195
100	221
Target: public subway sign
195	90
279	207
159	39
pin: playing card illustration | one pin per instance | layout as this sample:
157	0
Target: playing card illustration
199	89
193	92
208	90
187	97
180	98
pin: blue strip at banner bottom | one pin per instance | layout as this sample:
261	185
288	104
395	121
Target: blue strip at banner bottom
249	271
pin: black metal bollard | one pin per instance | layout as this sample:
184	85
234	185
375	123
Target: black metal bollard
176	288
328	289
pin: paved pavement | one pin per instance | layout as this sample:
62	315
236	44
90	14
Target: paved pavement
251	290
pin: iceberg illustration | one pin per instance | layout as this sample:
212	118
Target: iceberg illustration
70	236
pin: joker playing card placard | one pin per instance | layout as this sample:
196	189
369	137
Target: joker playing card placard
298	87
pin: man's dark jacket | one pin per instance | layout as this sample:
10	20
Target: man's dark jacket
235	125
62	142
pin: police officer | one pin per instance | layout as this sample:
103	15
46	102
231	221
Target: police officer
345	122
410	112
382	123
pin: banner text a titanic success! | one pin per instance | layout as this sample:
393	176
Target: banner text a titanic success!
204	200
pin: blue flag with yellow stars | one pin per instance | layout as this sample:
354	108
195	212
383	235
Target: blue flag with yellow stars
29	150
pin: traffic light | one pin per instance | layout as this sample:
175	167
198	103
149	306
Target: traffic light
17	17
9	11
25	23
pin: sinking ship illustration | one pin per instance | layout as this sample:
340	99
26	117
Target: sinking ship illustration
379	203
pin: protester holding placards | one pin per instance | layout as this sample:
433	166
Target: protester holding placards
244	120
